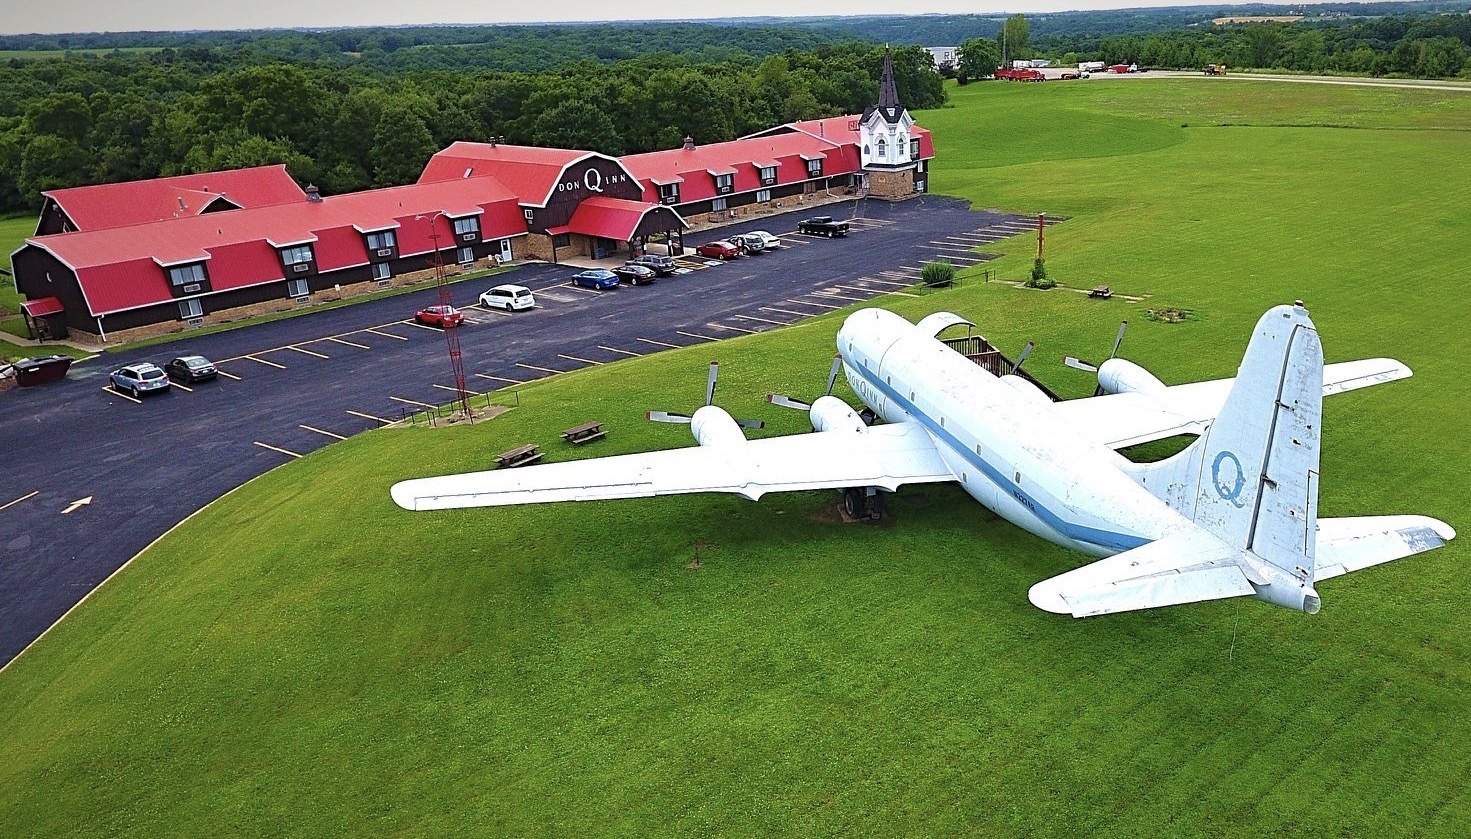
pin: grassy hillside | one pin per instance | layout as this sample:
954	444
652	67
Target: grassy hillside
304	658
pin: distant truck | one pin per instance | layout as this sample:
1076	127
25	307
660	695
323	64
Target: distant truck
1021	74
1092	66
1215	69
822	226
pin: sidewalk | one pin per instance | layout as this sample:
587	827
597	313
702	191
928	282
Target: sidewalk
28	342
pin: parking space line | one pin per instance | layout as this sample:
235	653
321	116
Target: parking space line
413	402
762	320
825	293
658	343
386	334
227	375
500	379
696	335
734	328
184	388
948	249
263	361
276	449
784	312
320	431
625	352
350	343
583	360
32	494
123	395
540	369
789	242
456	390
371	417
810	303
877	290
884	282
307	352
421	326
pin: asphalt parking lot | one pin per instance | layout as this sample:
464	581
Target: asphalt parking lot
95	476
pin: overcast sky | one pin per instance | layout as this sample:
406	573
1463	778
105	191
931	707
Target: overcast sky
136	15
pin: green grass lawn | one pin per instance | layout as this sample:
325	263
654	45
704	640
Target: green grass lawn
13	233
303	658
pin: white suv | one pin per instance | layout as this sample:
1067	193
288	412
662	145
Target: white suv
510	298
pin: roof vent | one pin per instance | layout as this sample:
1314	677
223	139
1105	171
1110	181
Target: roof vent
689	143
492	142
180	199
468	171
312	193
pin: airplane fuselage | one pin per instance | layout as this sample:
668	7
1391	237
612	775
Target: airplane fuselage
1000	437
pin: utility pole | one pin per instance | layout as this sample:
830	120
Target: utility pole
451	333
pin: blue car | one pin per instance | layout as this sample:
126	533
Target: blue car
599	278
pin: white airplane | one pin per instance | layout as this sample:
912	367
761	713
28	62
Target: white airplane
1233	514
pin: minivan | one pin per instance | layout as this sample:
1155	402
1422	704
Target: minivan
510	298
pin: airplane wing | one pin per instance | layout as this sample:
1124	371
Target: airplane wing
1119	420
1184	567
1349	544
883	456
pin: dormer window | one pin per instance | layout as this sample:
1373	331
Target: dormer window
668	193
724	184
468	228
181	276
297	258
814	168
768	175
914	149
381	240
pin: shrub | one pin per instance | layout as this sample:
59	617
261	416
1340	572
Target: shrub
1039	276
937	274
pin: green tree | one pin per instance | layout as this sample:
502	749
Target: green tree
1014	38
577	124
979	58
402	144
61	115
51	162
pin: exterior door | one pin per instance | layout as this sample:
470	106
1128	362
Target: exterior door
505	251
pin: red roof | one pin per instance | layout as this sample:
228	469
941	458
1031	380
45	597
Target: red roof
611	218
528	171
102	206
121	269
42	307
844	130
695	169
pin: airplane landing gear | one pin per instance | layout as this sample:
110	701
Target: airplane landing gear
868	416
862	504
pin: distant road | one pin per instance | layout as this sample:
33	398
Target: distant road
1428	84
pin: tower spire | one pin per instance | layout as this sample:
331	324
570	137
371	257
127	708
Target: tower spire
888	91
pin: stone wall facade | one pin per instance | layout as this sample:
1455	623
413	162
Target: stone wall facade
891	184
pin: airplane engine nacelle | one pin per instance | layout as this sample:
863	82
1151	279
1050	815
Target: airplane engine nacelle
830	413
1119	376
1301	598
712	426
1031	392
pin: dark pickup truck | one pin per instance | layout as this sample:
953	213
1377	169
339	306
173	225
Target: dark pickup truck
822	226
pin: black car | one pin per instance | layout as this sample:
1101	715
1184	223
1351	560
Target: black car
662	265
191	368
635	274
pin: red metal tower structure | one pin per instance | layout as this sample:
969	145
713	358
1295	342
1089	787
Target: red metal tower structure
451	333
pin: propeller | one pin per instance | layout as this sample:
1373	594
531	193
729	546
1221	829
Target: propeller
669	416
1080	364
1026	351
800	405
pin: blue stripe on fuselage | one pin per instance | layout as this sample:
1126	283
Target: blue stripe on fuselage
1078	532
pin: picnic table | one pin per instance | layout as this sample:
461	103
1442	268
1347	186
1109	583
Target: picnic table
529	453
585	433
1102	292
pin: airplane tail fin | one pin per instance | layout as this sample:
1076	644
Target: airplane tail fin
1251	479
1250	484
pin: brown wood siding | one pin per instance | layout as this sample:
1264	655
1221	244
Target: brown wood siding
32	266
572	188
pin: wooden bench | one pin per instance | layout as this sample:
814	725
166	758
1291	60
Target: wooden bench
585	433
1102	292
529	453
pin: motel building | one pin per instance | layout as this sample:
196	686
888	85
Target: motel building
150	257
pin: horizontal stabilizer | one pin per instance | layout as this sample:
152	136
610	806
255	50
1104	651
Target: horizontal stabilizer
1349	544
1185	567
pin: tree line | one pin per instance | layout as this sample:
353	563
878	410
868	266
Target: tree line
93	119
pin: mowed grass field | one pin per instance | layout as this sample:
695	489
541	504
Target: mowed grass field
303	658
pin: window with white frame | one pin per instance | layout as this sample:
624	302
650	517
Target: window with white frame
763	195
381	271
466	256
768	175
528	213
296	288
882	148
468	224
724	183
717	205
182	275
190	308
296	255
669	193
914	148
814	167
382	239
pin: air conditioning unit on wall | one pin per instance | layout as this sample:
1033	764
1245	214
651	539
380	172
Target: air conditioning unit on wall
301	267
385	251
